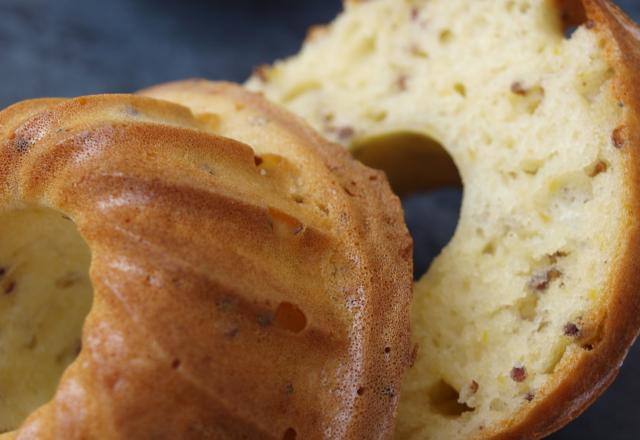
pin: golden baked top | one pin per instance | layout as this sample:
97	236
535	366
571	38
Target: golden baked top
249	286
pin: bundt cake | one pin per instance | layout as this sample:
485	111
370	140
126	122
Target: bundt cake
527	314
249	286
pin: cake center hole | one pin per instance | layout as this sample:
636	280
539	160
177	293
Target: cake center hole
425	176
45	295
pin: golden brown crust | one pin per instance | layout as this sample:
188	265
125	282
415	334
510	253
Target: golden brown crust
587	375
277	317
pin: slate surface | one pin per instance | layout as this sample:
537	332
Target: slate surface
74	47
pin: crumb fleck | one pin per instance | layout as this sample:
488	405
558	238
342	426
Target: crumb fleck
289	388
529	396
474	387
589	24
415	13
518	374
175	364
2	271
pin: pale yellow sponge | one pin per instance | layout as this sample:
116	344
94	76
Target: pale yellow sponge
525	316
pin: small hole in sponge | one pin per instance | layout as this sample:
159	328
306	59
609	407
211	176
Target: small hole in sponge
289	317
421	171
444	400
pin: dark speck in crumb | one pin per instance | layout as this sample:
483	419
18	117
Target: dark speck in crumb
345	133
518	374
570	329
518	89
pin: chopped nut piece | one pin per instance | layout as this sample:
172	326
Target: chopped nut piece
570	329
518	89
599	168
345	133
617	137
518	374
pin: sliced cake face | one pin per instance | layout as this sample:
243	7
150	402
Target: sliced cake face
515	317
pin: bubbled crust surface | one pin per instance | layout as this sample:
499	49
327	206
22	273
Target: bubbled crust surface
195	244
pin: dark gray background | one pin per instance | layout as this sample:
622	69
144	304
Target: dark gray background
74	47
